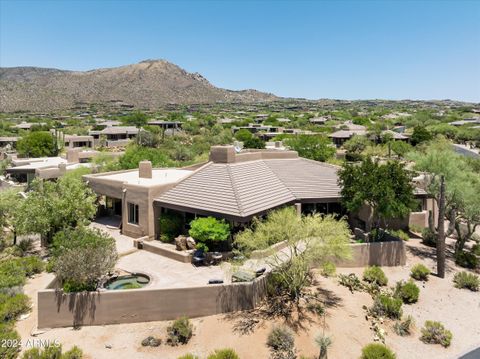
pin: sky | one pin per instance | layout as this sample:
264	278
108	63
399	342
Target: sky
308	49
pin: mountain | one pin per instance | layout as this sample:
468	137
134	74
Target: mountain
148	84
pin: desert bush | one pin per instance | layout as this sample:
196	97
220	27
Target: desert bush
429	238
316	308
400	234
82	257
376	275
350	281
224	354
52	352
171	225
408	292
386	306
188	356
151	342
323	343
435	333
404	327
13	306
476	249
467	280
419	272
377	351
180	331
12	274
416	229
8	333
328	269
466	260
25	245
74	353
209	230
31	264
281	343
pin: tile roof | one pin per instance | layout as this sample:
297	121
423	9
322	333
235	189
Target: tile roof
243	189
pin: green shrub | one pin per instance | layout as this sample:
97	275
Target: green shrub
429	238
405	326
32	265
281	342
188	356
328	269
419	272
180	331
467	280
466	260
400	234
74	353
476	249
377	351
32	353
171	225
435	333
72	287
25	245
52	352
350	281
209	230
416	229
386	306
12	274
8	333
224	354
13	306
408	292
376	275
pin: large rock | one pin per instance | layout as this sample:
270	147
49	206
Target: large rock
191	243
181	243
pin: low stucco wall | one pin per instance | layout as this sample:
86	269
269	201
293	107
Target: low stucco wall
387	254
57	309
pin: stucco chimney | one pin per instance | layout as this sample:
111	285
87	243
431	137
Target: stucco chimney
222	154
145	169
63	168
73	155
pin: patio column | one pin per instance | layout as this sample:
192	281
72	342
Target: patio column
298	207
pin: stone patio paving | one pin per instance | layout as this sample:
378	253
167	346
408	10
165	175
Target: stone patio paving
110	225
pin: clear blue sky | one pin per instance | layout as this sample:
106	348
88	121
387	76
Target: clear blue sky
313	49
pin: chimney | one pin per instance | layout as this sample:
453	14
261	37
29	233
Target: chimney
222	154
63	168
145	169
72	155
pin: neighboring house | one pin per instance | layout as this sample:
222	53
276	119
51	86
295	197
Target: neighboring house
74	141
28	125
114	136
257	127
10	142
466	121
175	125
318	120
346	131
235	186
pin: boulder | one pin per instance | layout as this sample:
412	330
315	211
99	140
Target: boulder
181	243
191	243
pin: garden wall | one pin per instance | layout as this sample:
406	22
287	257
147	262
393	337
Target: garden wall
58	309
388	254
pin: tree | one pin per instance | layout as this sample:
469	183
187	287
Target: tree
36	144
310	241
441	231
386	188
209	230
318	148
53	206
82	256
462	185
134	154
137	119
355	146
254	142
243	135
10	200
420	134
400	148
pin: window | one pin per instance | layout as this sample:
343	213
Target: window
132	213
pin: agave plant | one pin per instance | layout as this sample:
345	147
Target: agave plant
323	342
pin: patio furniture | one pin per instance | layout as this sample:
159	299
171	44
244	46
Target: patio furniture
215	281
243	276
198	257
260	271
216	257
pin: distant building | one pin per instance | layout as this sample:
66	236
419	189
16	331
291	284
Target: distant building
74	141
115	136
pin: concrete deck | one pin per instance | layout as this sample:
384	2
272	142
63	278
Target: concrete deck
110	225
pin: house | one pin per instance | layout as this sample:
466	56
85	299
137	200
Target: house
28	125
175	125
318	120
345	131
10	142
114	136
74	141
466	121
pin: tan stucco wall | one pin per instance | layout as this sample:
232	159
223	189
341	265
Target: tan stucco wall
387	254
56	309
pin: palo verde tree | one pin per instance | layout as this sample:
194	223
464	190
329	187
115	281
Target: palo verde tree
52	206
318	148
37	144
462	186
386	188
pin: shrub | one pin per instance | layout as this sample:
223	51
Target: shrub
82	256
8	333
188	356
151	342
400	234
224	354
467	280
12	274
466	260
408	292
377	351
328	269
171	225
281	342
376	275
180	331
209	229
32	265
429	238
13	306
323	342
435	333
74	353
476	249
405	326
316	308
32	353
52	352
350	281
419	272
416	229
387	306
25	245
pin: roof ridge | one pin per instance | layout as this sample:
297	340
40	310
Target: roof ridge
279	179
235	192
